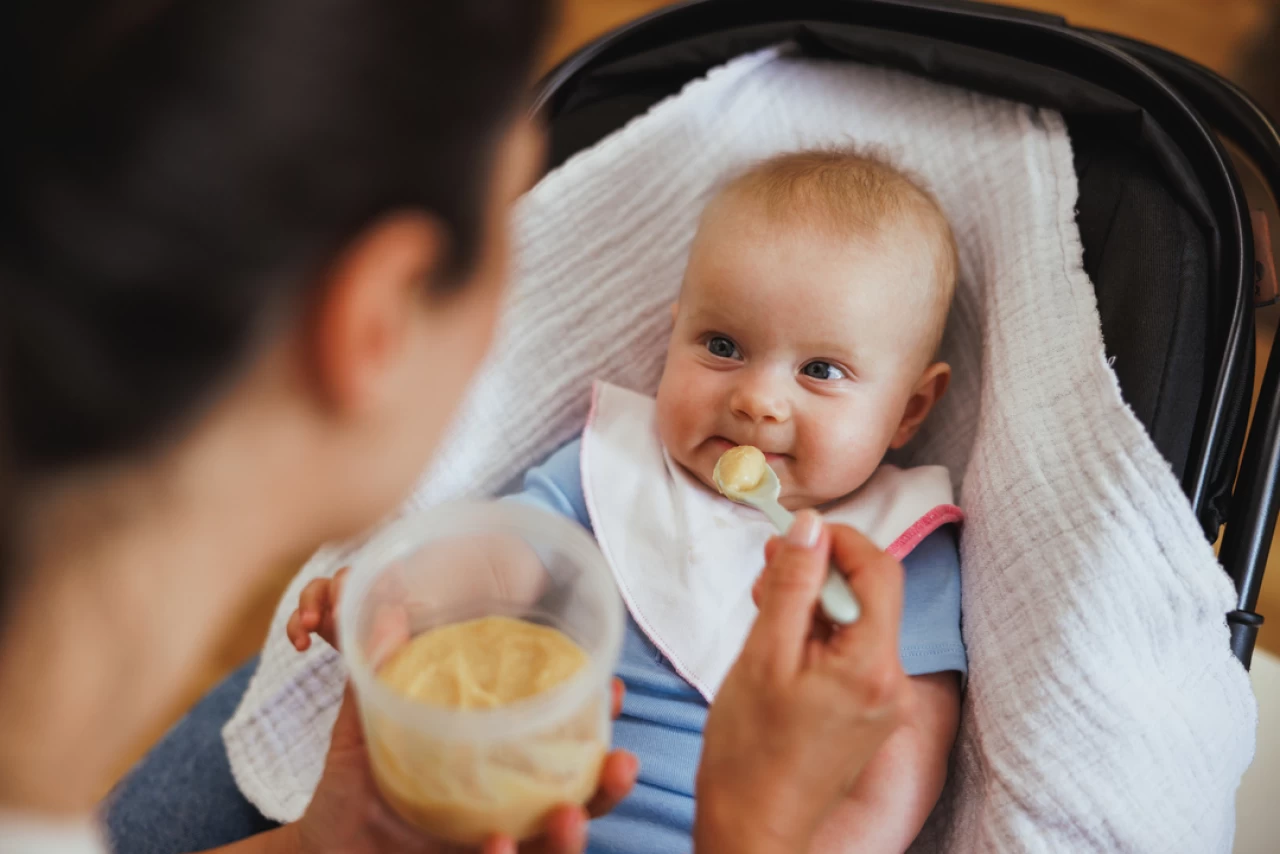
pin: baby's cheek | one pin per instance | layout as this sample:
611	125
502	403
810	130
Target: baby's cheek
681	400
669	413
677	434
842	460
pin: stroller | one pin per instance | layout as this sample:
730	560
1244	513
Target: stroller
1165	225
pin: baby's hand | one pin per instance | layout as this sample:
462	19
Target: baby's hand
317	612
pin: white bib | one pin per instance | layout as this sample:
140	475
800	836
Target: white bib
685	558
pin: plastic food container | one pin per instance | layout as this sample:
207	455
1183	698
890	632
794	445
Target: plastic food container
462	775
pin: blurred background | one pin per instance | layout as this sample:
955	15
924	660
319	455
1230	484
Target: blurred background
1237	38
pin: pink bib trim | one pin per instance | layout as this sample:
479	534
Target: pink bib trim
938	517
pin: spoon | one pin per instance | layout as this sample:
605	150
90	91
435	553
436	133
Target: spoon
743	476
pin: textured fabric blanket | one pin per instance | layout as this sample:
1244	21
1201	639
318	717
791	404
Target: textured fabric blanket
1103	711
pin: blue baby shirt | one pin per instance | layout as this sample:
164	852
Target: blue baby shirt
662	715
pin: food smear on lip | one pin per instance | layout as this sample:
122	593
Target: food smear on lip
740	470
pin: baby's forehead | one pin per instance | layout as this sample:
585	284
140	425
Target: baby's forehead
860	254
834	288
878	289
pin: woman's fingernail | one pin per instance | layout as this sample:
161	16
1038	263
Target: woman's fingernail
805	530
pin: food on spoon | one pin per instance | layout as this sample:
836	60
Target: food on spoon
739	470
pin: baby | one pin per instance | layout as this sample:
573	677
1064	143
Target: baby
814	300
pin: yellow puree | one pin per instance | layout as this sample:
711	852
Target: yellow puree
466	790
740	470
483	663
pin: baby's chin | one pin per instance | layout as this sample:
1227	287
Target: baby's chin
703	473
701	466
816	496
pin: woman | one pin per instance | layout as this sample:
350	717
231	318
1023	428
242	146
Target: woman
252	252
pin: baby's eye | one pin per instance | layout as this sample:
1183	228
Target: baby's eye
723	348
819	370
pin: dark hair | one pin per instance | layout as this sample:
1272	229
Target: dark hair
176	174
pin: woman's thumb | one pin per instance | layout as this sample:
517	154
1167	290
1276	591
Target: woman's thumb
788	589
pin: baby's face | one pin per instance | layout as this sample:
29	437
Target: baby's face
791	340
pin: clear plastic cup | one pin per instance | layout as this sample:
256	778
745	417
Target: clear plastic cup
462	775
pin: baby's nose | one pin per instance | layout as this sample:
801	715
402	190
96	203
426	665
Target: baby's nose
761	399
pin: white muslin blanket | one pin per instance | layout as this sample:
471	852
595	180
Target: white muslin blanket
1104	711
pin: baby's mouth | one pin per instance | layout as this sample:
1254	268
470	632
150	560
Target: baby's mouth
722	444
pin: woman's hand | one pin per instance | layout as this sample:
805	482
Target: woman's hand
805	707
347	815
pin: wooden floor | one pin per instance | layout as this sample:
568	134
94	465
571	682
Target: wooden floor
1217	33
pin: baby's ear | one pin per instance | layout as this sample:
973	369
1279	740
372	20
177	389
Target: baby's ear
928	391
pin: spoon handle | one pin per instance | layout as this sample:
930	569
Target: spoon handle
838	602
839	605
778	515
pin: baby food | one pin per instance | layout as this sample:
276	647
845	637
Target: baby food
465	789
483	663
740	469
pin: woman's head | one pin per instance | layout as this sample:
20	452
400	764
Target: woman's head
216	211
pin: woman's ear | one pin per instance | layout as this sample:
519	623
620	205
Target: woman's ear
363	320
928	391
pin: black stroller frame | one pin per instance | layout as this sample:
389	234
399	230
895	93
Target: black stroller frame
1155	177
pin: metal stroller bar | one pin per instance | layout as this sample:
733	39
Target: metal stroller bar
1255	501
